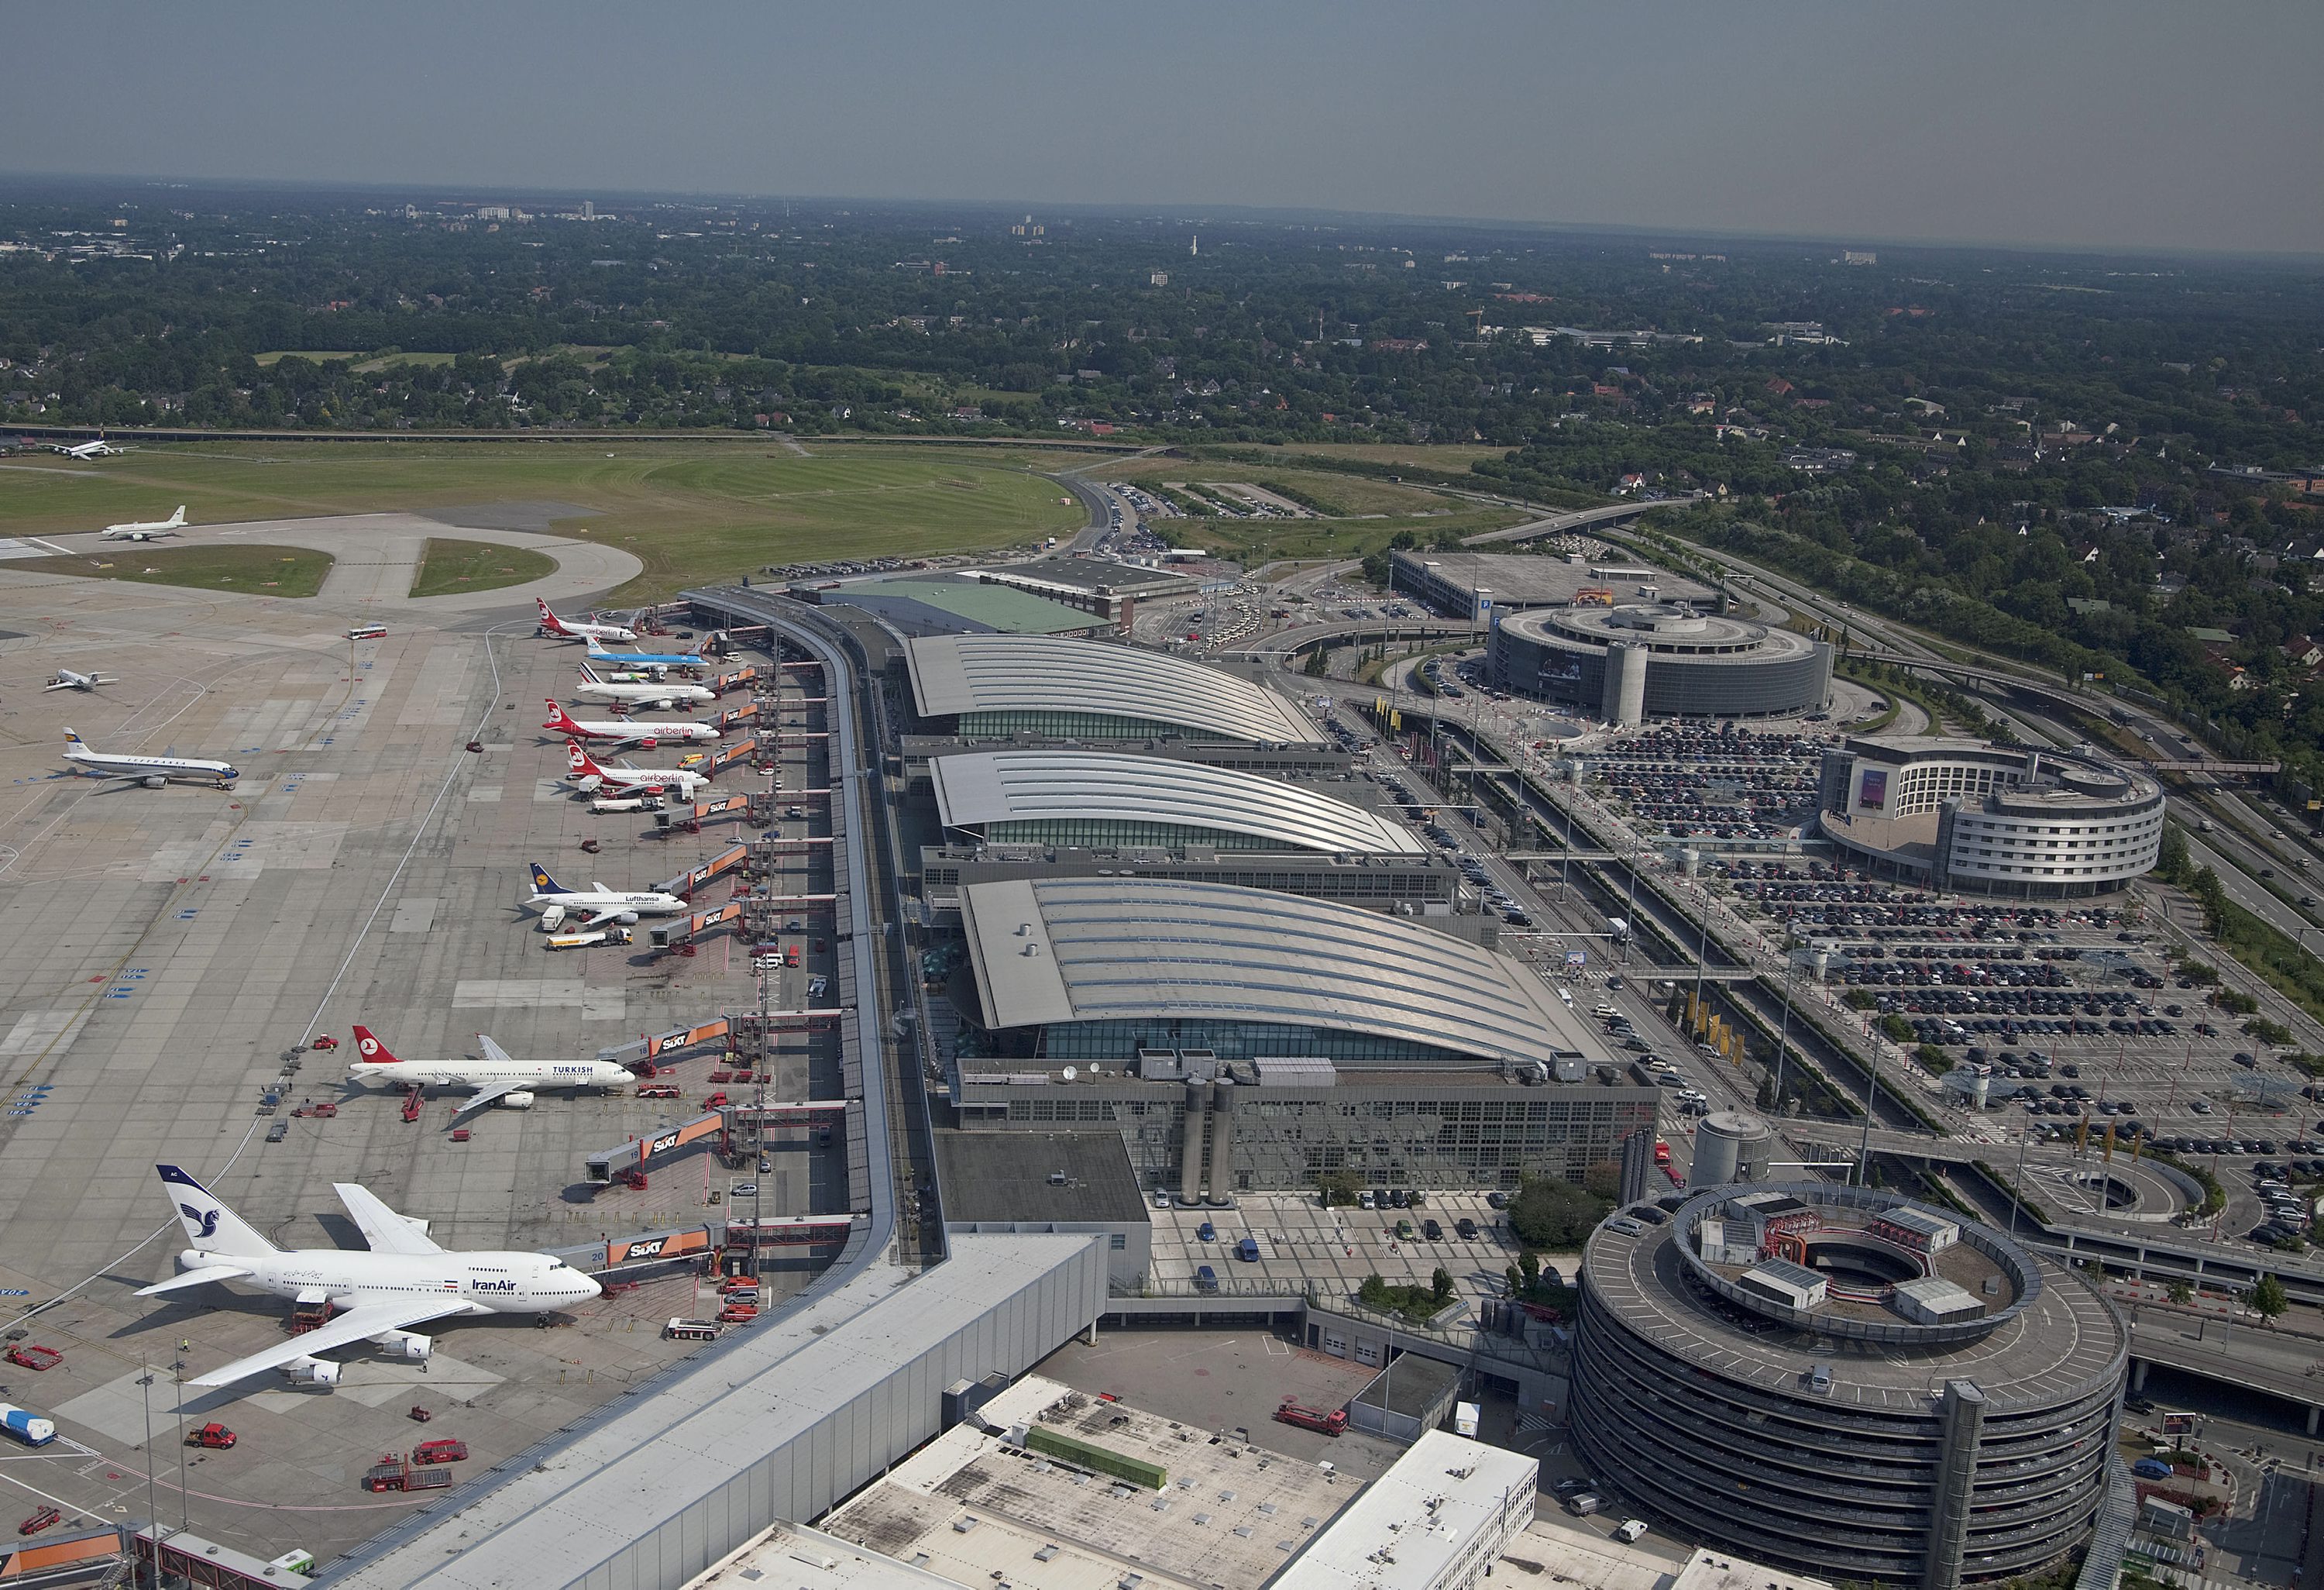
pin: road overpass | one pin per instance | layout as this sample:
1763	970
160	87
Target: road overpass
1559	524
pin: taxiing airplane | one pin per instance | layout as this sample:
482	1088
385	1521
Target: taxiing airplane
574	630
146	530
680	782
626	732
99	448
152	771
499	1077
667	696
597	905
404	1280
652	663
67	679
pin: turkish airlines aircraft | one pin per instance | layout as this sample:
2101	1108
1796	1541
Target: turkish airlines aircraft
626	732
498	1075
574	630
403	1280
680	782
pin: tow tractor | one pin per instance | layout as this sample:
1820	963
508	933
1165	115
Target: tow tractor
325	1043
320	1112
1334	1423
214	1435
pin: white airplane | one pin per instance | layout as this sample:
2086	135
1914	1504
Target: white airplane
498	1078
653	665
666	695
99	448
150	530
404	1280
597	905
67	679
152	771
680	782
626	732
574	630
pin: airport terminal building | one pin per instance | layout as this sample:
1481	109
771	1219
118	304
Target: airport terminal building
1063	813
1626	664
1969	816
1243	1040
987	690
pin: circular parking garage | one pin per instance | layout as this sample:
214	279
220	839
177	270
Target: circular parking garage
1646	660
1846	1382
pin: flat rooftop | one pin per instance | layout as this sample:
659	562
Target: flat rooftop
1068	1176
1231	1514
1097	576
1517	580
1414	1522
970	605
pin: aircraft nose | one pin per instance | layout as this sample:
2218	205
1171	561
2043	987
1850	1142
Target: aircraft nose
596	1288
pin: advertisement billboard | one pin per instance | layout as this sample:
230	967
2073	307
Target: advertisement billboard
1872	791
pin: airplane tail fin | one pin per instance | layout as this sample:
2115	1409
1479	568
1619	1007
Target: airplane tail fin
590	674
209	1225
558	718
73	739
579	762
546	617
179	518
374	1052
542	882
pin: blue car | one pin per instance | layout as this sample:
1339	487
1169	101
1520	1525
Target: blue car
1207	1232
2151	1468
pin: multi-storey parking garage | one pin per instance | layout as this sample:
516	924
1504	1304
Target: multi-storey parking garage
1659	660
1843	1382
1997	819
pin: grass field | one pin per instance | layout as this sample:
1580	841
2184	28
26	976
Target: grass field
447	566
261	571
276	355
1370	511
691	512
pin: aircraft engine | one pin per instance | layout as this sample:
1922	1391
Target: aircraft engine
522	1099
628	919
313	1371
404	1343
154	782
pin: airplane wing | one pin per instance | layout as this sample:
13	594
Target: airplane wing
367	1319
600	919
194	1277
384	1229
497	1091
493	1051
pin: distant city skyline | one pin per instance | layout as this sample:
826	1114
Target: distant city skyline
2122	125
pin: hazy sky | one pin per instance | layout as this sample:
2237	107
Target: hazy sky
2190	123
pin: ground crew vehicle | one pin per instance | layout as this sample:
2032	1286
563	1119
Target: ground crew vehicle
394	1472
214	1435
450	1449
1334	1423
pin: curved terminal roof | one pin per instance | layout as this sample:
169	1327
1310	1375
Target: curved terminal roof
1095	949
979	788
954	674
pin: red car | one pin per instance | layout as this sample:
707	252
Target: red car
445	1451
325	1042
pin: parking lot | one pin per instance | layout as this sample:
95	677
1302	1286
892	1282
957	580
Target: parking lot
1690	781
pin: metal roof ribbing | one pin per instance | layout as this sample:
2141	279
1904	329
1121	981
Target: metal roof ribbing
978	787
1133	948
659	1456
1047	673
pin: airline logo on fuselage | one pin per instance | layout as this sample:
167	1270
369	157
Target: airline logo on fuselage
492	1286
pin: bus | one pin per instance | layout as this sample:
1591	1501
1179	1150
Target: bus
368	631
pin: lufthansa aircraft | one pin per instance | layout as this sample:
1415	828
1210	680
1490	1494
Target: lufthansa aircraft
152	771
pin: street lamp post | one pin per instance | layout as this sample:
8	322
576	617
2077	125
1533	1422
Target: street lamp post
1782	1038
153	1506
1864	1143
